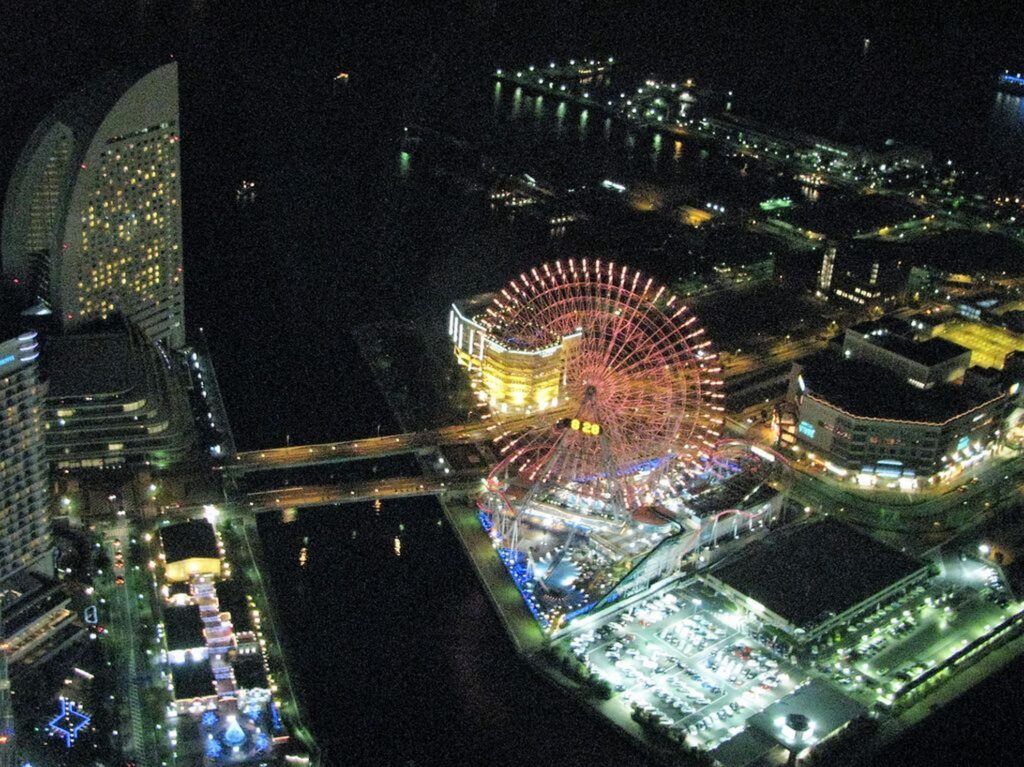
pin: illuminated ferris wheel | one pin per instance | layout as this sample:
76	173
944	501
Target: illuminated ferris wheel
639	383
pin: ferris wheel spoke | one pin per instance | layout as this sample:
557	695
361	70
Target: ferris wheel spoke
650	390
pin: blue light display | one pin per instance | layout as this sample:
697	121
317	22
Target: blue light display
214	750
515	563
8	359
234	735
1014	79
69	722
963	443
262	743
807	429
275	718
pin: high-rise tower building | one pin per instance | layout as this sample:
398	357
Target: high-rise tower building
92	217
24	488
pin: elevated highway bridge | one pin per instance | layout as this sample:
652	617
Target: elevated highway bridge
298	456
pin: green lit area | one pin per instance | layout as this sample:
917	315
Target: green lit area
776	203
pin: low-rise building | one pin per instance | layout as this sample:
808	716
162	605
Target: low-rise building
886	408
114	398
189	548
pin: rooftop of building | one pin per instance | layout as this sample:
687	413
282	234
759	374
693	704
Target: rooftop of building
186	540
84	109
821	703
192	680
863	389
742	491
932	351
250	672
808	572
93	365
843	216
184	627
231	597
474	305
927	319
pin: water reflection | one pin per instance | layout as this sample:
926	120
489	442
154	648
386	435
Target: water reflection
560	117
404	161
517	103
1005	133
810	193
584	115
655	150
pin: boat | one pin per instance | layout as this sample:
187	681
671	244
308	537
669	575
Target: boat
1011	82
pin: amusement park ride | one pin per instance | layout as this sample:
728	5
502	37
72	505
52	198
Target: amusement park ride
590	508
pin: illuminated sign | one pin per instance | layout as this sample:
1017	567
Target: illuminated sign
588	428
807	429
8	359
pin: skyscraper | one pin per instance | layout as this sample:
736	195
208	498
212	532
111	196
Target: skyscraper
92	216
24	489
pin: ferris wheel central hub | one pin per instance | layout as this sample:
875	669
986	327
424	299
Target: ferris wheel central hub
639	373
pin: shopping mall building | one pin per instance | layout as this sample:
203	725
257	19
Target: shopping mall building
887	409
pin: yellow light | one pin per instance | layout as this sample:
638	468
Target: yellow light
575	424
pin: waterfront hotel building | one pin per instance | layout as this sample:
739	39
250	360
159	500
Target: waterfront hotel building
515	381
92	215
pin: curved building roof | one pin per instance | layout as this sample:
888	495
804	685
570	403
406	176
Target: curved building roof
79	220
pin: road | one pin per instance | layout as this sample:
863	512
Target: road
324	495
931	517
125	635
759	361
375	447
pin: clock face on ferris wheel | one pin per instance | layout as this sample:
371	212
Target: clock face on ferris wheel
639	375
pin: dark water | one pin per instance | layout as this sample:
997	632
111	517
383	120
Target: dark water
400	657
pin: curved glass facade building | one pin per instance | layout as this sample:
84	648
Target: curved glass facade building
92	215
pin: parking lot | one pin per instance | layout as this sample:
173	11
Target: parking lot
684	654
892	646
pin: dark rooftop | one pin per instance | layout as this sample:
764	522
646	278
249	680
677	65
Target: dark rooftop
192	680
100	364
930	352
871	391
807	572
184	627
828	708
475	305
186	540
231	596
249	672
